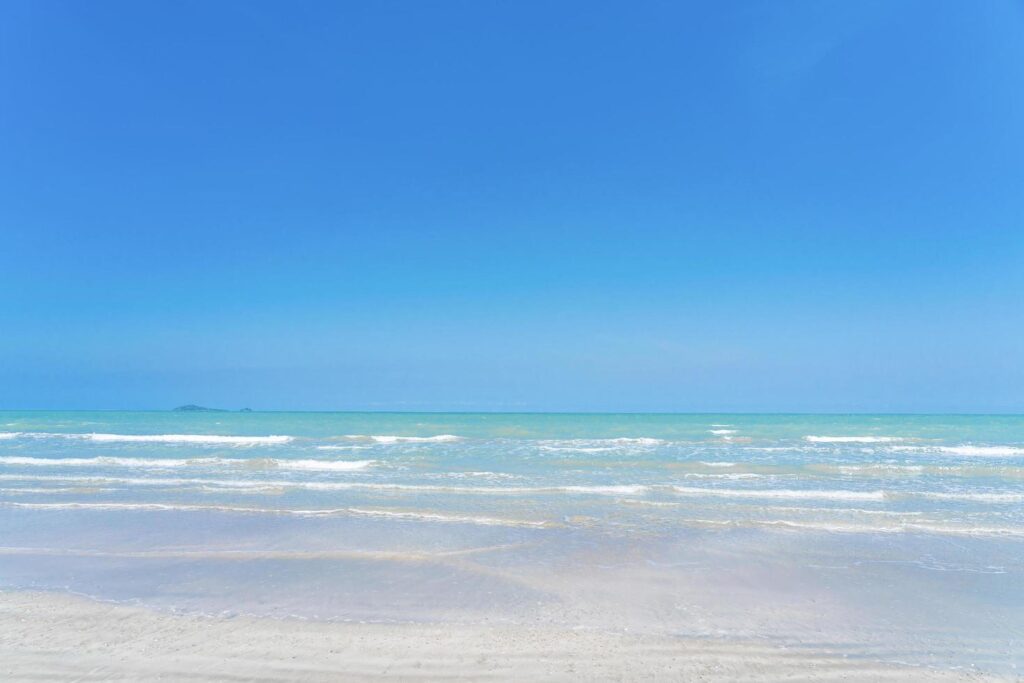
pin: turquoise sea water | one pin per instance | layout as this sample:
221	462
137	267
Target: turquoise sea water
896	537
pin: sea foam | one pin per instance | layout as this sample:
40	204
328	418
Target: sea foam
327	512
966	450
166	463
809	494
598	445
194	439
389	439
210	439
853	439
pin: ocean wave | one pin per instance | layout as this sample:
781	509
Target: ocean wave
389	439
86	479
722	432
194	439
967	450
206	483
853	439
618	490
835	527
971	470
899	514
324	465
783	493
52	489
128	506
973	496
106	461
204	439
635	490
598	445
276	486
329	512
169	463
473	475
637	440
611	490
780	449
879	468
438	517
724	475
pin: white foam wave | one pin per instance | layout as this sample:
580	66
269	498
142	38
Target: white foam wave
966	450
331	512
210	439
899	528
623	490
194	439
611	490
437	517
843	511
727	475
638	440
51	489
883	468
86	480
598	445
976	496
783	493
104	461
336	485
389	439
166	463
246	486
474	475
853	439
602	490
718	464
130	506
721	432
324	465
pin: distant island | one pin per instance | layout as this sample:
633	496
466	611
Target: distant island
192	408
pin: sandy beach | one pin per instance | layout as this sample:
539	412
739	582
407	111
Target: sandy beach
46	636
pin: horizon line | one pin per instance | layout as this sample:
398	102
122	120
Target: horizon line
518	412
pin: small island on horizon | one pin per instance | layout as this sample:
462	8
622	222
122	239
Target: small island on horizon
192	408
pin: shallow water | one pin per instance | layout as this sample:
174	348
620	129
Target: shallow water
894	537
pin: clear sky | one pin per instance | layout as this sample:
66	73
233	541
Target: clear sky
669	206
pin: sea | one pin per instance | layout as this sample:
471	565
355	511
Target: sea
897	538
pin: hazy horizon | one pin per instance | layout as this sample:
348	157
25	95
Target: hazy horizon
752	413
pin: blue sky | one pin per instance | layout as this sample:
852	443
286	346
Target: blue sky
668	206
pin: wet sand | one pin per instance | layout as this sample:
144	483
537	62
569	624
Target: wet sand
49	636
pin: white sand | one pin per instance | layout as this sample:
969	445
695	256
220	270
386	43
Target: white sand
46	636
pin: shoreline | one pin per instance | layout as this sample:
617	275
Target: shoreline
53	636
